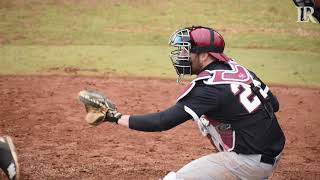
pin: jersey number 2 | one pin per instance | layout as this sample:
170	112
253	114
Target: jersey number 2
248	100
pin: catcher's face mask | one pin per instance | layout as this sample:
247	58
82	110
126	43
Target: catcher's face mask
180	57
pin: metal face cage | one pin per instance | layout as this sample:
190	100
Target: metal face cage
180	57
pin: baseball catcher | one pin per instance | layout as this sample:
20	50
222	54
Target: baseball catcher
231	106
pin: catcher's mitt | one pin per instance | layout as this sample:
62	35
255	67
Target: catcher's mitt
98	107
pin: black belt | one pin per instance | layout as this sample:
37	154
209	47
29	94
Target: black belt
267	159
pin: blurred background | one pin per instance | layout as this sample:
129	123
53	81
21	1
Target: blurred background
129	37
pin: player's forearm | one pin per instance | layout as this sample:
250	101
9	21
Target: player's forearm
154	122
149	123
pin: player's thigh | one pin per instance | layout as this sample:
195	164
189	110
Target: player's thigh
207	167
249	167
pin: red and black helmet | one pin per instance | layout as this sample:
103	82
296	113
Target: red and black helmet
195	39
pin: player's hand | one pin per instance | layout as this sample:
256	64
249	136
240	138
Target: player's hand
98	107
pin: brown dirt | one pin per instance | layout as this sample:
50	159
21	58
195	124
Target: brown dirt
53	141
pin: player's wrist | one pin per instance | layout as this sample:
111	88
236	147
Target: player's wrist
124	120
113	117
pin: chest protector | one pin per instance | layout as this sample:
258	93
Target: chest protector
221	135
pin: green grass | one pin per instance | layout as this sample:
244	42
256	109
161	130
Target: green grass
281	67
152	61
140	22
130	36
144	60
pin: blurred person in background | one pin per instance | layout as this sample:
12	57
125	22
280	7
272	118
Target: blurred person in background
8	158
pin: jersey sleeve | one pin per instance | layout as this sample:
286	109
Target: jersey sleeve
201	99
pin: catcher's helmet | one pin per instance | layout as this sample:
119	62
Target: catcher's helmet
195	39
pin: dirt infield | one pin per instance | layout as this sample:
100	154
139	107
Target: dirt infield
53	141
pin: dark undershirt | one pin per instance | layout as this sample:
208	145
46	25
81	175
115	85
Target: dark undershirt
160	121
